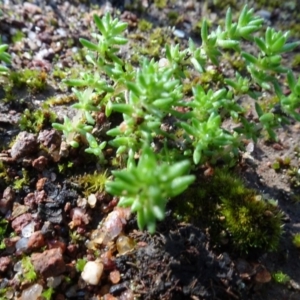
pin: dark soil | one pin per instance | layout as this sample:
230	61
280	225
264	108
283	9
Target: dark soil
180	261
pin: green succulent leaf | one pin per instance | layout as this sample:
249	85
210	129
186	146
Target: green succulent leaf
149	186
86	43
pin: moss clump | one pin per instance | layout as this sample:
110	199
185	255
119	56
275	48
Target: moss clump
281	163
135	5
59	74
60	100
160	3
235	61
34	80
221	4
209	79
3	233
153	46
28	273
294	174
34	121
296	61
144	25
174	17
92	183
18	36
252	222
223	203
268	102
24	180
269	4
296	240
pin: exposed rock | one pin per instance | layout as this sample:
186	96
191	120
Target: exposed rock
40	183
51	212
50	263
9	117
29	200
10	243
18	210
50	138
32	8
57	244
21	221
79	217
26	144
45	37
5	262
9	193
40	163
7	200
263	276
36	241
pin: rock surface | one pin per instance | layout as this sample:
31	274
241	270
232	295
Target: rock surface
50	263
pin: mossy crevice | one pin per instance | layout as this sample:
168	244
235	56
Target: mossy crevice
92	183
232	212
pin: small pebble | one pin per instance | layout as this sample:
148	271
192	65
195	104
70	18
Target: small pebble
115	276
54	282
179	33
92	272
264	14
32	293
71	292
28	230
92	200
31	35
124	244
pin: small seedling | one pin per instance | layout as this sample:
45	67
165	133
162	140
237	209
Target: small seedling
80	263
281	277
5	57
28	273
3	228
24	180
48	293
296	240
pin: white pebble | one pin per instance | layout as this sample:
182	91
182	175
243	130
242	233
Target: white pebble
92	200
92	272
28	230
54	282
32	293
179	33
22	244
31	35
